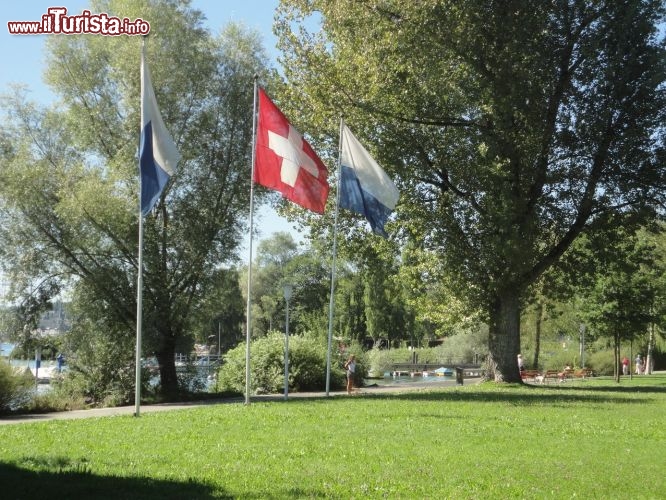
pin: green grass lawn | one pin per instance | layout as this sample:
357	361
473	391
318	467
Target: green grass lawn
583	439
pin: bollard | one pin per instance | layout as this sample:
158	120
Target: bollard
459	375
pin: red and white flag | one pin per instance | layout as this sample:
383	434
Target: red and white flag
285	161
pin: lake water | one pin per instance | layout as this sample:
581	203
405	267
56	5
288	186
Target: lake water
407	380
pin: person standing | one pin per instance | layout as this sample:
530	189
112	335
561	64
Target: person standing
350	367
625	366
639	364
60	360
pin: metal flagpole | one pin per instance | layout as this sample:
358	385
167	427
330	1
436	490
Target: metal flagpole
139	318
249	261
139	279
331	305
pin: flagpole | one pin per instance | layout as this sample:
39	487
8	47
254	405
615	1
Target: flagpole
139	279
139	319
249	261
331	305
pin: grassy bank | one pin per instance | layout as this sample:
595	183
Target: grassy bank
587	439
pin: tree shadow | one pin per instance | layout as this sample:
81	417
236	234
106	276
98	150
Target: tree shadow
533	394
524	398
643	389
59	478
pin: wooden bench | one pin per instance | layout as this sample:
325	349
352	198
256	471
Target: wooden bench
553	375
530	375
558	375
583	373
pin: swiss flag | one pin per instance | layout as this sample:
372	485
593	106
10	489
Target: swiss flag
285	161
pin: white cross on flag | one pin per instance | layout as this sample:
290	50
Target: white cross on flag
285	161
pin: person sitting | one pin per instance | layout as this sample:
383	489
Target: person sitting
563	374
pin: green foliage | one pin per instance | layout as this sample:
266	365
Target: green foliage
280	262
350	320
465	347
619	302
428	292
557	360
510	131
100	367
470	345
380	361
602	362
307	369
15	388
221	312
307	356
68	192
63	395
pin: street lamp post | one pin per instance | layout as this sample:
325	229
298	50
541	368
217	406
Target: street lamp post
287	289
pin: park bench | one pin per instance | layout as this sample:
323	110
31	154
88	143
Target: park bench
553	375
530	375
561	375
583	373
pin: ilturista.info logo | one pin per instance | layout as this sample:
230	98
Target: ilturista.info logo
57	22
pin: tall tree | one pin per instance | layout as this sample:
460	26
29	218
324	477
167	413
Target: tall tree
69	188
620	303
278	262
220	316
658	327
512	125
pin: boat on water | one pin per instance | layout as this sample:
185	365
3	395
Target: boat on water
444	372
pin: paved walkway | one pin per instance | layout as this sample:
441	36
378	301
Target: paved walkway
129	410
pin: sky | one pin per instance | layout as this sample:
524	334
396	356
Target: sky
22	59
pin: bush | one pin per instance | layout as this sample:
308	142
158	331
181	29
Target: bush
380	361
15	388
601	362
58	398
556	360
307	366
306	359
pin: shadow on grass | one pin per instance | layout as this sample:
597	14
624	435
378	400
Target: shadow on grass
516	394
61	479
518	397
627	389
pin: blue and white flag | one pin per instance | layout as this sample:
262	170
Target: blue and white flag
364	186
158	155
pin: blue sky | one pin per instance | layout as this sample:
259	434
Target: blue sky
23	58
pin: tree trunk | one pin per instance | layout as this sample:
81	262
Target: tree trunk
537	334
504	342
166	358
